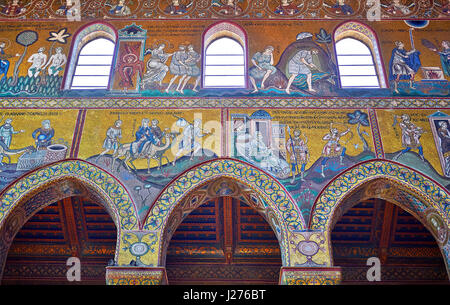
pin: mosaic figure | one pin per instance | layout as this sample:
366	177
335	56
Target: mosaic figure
224	189
301	63
262	67
444	55
156	66
6	133
443	133
178	67
403	65
144	135
228	7
112	140
4	62
333	147
156	130
13	8
286	8
192	70
342	8
411	134
396	8
120	9
43	136
298	153
56	62
446	8
176	7
188	142
267	158
129	64
37	61
68	9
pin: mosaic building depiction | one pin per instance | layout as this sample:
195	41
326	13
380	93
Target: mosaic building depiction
225	142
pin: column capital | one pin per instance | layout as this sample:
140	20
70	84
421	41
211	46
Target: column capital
128	275
310	276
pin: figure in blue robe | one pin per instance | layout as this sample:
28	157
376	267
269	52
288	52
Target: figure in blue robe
43	136
343	8
4	63
445	57
143	136
403	65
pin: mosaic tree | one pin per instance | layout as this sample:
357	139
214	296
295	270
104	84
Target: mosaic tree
26	39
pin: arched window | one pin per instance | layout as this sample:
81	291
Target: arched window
94	65
92	58
224	60
358	57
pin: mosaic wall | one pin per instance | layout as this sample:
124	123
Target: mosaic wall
299	140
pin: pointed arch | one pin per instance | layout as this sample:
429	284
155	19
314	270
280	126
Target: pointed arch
412	191
44	186
224	60
276	198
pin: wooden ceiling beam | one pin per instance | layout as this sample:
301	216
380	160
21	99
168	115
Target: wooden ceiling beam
228	228
386	229
70	226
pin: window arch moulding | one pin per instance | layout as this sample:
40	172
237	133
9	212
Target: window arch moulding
234	38
367	36
86	35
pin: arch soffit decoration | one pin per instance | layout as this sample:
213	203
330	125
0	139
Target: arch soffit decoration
224	28
104	185
275	196
211	190
424	189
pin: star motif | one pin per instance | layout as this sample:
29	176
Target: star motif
59	36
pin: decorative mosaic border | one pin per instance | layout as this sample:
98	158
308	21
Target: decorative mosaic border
204	9
127	102
430	192
107	186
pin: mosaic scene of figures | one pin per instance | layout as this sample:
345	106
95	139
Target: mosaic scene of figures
302	148
164	59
